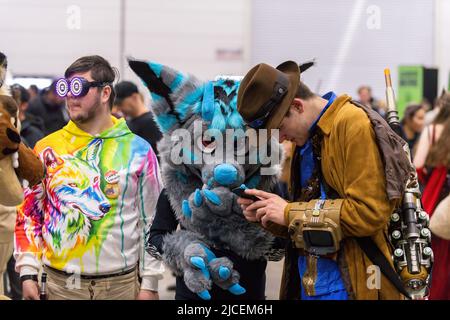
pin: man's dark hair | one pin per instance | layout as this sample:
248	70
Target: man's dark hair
303	92
19	93
34	88
411	111
100	68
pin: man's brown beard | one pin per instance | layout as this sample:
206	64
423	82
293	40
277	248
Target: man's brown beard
85	118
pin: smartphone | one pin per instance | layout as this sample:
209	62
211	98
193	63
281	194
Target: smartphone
240	193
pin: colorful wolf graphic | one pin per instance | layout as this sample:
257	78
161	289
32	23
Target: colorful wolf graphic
203	114
73	188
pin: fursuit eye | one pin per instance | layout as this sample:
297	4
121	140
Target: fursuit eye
206	144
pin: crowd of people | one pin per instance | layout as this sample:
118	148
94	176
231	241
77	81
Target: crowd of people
333	162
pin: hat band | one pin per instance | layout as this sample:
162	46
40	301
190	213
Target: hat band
280	89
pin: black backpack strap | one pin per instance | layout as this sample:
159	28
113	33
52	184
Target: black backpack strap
377	257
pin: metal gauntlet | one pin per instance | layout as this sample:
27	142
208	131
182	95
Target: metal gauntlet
315	225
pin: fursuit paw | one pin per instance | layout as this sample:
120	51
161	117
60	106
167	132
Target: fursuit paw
196	274
224	276
195	203
201	202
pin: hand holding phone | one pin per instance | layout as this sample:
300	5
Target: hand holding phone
240	192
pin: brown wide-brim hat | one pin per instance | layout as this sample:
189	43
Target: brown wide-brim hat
261	85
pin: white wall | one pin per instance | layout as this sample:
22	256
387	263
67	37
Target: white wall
184	34
442	41
188	34
35	37
353	40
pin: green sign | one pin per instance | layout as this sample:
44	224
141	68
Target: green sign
410	87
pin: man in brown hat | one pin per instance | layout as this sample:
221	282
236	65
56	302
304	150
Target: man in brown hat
337	185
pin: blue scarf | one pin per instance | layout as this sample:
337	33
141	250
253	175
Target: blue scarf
307	164
329	284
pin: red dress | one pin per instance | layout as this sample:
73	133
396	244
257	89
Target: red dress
435	190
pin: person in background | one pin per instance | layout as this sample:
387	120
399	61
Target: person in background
432	163
365	97
50	108
32	127
432	133
33	90
412	125
431	115
434	176
130	103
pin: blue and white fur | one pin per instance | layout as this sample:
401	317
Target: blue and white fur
200	194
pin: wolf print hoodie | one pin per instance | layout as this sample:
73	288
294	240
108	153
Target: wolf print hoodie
91	212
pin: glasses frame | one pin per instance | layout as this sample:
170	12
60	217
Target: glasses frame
77	86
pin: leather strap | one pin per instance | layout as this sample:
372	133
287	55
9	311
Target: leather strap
377	257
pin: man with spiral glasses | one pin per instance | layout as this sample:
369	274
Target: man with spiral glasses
86	222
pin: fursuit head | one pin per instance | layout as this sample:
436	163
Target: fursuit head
19	166
207	151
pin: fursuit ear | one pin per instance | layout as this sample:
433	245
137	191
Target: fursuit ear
305	66
151	80
162	106
173	93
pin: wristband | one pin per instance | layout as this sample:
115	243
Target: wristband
33	277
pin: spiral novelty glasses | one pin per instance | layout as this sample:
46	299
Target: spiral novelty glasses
78	87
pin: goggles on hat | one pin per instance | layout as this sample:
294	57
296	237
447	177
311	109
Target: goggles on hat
78	86
279	91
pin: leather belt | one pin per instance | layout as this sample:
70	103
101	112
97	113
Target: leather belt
92	277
